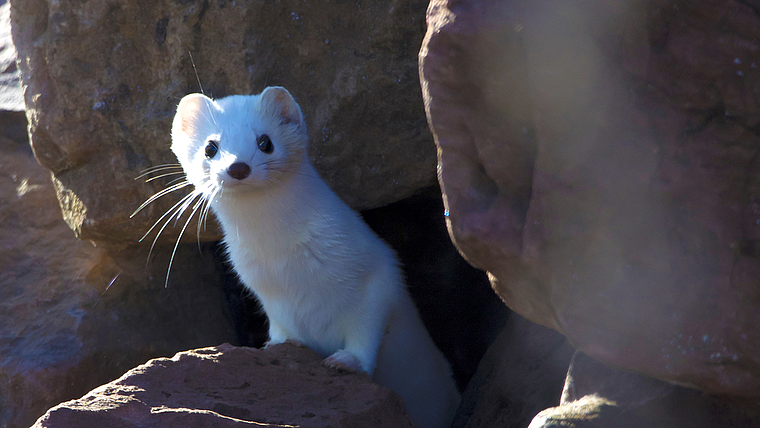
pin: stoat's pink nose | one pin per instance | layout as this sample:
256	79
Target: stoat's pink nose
239	170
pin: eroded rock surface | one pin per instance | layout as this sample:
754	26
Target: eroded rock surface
284	385
103	80
600	160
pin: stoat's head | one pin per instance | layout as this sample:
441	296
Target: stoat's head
240	142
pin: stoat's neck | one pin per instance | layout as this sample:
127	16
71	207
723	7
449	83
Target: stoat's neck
275	221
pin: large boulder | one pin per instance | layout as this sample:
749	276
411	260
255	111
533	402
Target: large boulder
226	386
600	160
102	81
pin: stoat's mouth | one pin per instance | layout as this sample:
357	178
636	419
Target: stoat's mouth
249	184
229	185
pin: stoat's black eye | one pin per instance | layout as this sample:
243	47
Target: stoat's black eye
265	144
212	147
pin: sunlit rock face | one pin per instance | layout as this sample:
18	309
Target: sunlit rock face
103	81
600	161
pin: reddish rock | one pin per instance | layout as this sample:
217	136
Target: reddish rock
103	81
600	160
284	385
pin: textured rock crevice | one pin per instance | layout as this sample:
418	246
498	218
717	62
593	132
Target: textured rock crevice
521	374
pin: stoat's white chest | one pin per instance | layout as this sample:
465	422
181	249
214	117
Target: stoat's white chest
307	262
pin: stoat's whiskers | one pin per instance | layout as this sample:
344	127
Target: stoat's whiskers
158	195
204	212
200	199
177	168
168	174
173	213
176	180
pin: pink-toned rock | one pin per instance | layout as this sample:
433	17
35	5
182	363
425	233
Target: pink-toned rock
226	386
600	160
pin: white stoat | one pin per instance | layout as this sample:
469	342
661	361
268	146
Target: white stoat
322	276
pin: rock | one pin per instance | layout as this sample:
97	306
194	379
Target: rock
521	374
103	80
599	160
588	412
73	316
283	385
600	396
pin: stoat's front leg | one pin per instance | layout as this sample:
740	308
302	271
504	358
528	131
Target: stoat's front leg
278	334
344	360
366	330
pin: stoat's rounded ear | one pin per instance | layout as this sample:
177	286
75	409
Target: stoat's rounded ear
283	104
190	110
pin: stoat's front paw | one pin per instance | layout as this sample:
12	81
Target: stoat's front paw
344	360
272	342
291	341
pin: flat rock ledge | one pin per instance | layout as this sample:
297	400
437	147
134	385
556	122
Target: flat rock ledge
225	386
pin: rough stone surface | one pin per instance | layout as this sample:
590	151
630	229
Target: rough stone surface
600	396
73	316
521	374
600	160
102	80
284	385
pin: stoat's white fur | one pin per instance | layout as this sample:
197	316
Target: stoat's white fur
322	276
